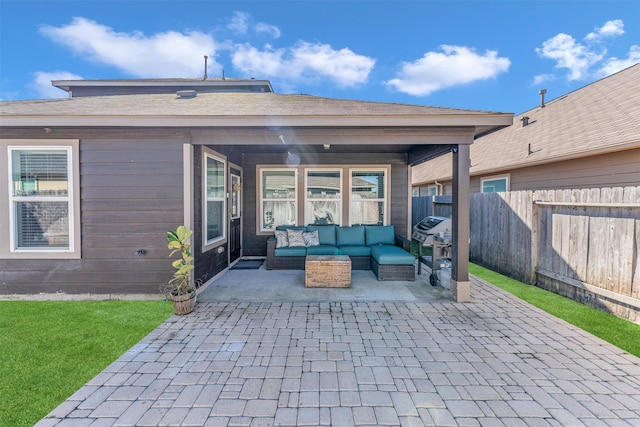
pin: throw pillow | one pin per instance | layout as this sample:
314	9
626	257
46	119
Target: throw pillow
311	238
282	240
295	238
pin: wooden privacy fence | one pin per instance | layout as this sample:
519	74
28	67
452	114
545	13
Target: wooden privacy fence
424	206
581	243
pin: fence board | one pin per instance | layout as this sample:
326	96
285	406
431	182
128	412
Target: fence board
632	195
585	238
626	246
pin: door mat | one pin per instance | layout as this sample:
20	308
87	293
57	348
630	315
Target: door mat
247	264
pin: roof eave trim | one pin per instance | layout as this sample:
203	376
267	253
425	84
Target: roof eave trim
256	121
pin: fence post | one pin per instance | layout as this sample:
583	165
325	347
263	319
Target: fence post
535	225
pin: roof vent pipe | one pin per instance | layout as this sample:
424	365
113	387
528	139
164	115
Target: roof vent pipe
205	67
542	93
525	121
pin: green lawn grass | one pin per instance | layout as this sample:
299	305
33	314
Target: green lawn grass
49	349
617	331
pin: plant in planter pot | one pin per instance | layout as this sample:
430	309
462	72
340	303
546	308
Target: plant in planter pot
181	289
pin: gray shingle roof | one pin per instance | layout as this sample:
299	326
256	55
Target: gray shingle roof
218	104
603	116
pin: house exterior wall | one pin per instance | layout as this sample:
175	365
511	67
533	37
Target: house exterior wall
617	169
131	193
255	244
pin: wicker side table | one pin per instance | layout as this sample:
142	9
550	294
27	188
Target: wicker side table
327	271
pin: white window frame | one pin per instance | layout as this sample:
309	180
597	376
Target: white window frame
8	226
494	178
385	200
339	200
237	194
432	188
210	244
262	199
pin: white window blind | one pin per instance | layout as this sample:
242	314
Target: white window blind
40	198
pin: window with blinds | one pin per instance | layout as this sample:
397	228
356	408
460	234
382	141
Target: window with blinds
40	198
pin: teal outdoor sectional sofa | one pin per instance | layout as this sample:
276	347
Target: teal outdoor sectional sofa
370	247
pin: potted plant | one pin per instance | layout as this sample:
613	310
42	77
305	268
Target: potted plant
181	289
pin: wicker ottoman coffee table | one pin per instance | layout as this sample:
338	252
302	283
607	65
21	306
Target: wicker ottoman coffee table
327	271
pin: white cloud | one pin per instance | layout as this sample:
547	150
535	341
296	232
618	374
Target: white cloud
268	62
609	29
304	61
239	22
541	78
270	30
580	58
168	54
42	83
454	66
567	53
613	64
180	54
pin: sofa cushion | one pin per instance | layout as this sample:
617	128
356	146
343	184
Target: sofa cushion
323	250
326	233
355	250
311	238
350	236
282	240
297	251
391	255
380	235
296	238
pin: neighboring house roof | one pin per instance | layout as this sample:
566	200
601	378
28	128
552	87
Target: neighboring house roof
237	109
598	118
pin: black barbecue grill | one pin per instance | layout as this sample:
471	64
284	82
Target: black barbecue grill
424	232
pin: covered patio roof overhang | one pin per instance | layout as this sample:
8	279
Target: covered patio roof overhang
421	133
420	138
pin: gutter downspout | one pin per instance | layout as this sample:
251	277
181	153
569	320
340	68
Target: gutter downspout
440	187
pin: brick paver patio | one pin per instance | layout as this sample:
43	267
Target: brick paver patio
496	361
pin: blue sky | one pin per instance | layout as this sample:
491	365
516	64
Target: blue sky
481	55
